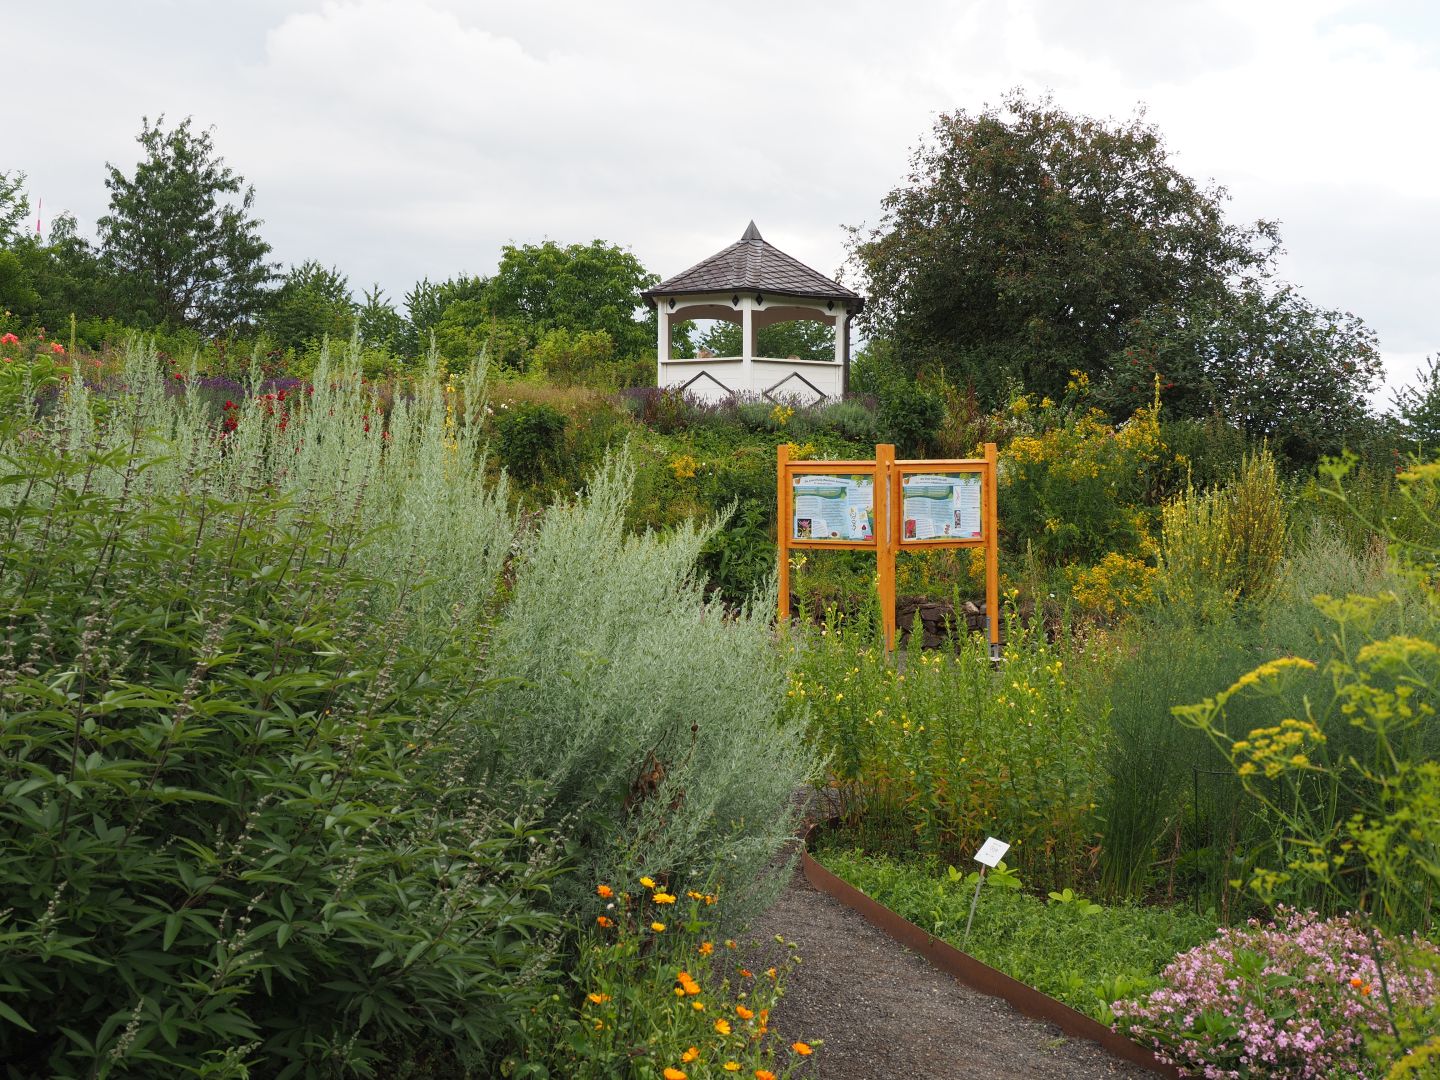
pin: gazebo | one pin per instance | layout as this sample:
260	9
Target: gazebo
755	284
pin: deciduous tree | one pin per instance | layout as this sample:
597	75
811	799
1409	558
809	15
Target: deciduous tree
180	235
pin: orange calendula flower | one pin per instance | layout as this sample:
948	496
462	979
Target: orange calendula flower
722	1026
803	1049
598	999
689	985
605	921
649	884
770	972
605	891
1357	982
672	1073
689	1055
746	973
664	898
705	948
658	927
743	1013
764	1074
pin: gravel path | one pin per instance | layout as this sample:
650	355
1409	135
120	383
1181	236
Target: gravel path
883	1011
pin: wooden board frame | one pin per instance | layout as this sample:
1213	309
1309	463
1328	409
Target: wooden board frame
889	473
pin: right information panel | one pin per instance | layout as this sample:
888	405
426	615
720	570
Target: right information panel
940	506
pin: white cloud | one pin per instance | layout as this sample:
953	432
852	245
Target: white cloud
405	139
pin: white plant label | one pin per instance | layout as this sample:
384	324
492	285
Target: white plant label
991	852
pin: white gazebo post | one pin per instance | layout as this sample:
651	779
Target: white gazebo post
662	345
754	284
747	344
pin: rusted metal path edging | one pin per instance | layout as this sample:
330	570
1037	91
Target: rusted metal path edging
1024	999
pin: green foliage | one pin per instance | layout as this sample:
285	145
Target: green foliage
943	751
1080	487
571	359
380	326
1264	358
311	303
668	998
807	339
180	237
1418	407
1078	952
581	287
14	207
650	713
233	834
1225	544
909	417
529	437
1025	240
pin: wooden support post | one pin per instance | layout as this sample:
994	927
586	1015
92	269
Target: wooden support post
783	527
991	528
886	521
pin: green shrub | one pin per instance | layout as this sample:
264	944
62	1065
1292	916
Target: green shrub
1225	544
233	836
647	713
529	437
909	416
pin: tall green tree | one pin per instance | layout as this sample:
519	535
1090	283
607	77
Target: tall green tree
580	287
14	207
1025	241
312	302
1417	406
180	236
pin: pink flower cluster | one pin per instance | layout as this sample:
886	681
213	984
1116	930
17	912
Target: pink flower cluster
1293	998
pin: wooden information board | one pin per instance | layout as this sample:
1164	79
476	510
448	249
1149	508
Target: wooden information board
890	505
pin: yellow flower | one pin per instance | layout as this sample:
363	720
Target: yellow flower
705	948
803	1049
689	1055
698	1006
658	927
722	1026
598	999
647	882
664	898
731	1066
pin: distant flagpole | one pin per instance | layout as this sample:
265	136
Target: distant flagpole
39	207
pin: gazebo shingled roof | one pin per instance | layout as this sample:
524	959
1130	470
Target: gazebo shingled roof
753	264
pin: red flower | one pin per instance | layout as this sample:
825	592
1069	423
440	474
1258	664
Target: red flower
56	347
229	405
9	339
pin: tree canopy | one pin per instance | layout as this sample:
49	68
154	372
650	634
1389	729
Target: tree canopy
179	235
593	286
1027	244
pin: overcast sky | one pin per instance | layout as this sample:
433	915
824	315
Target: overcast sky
402	139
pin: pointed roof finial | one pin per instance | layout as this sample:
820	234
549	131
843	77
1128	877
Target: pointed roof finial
752	233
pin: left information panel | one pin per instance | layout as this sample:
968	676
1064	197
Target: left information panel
833	507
